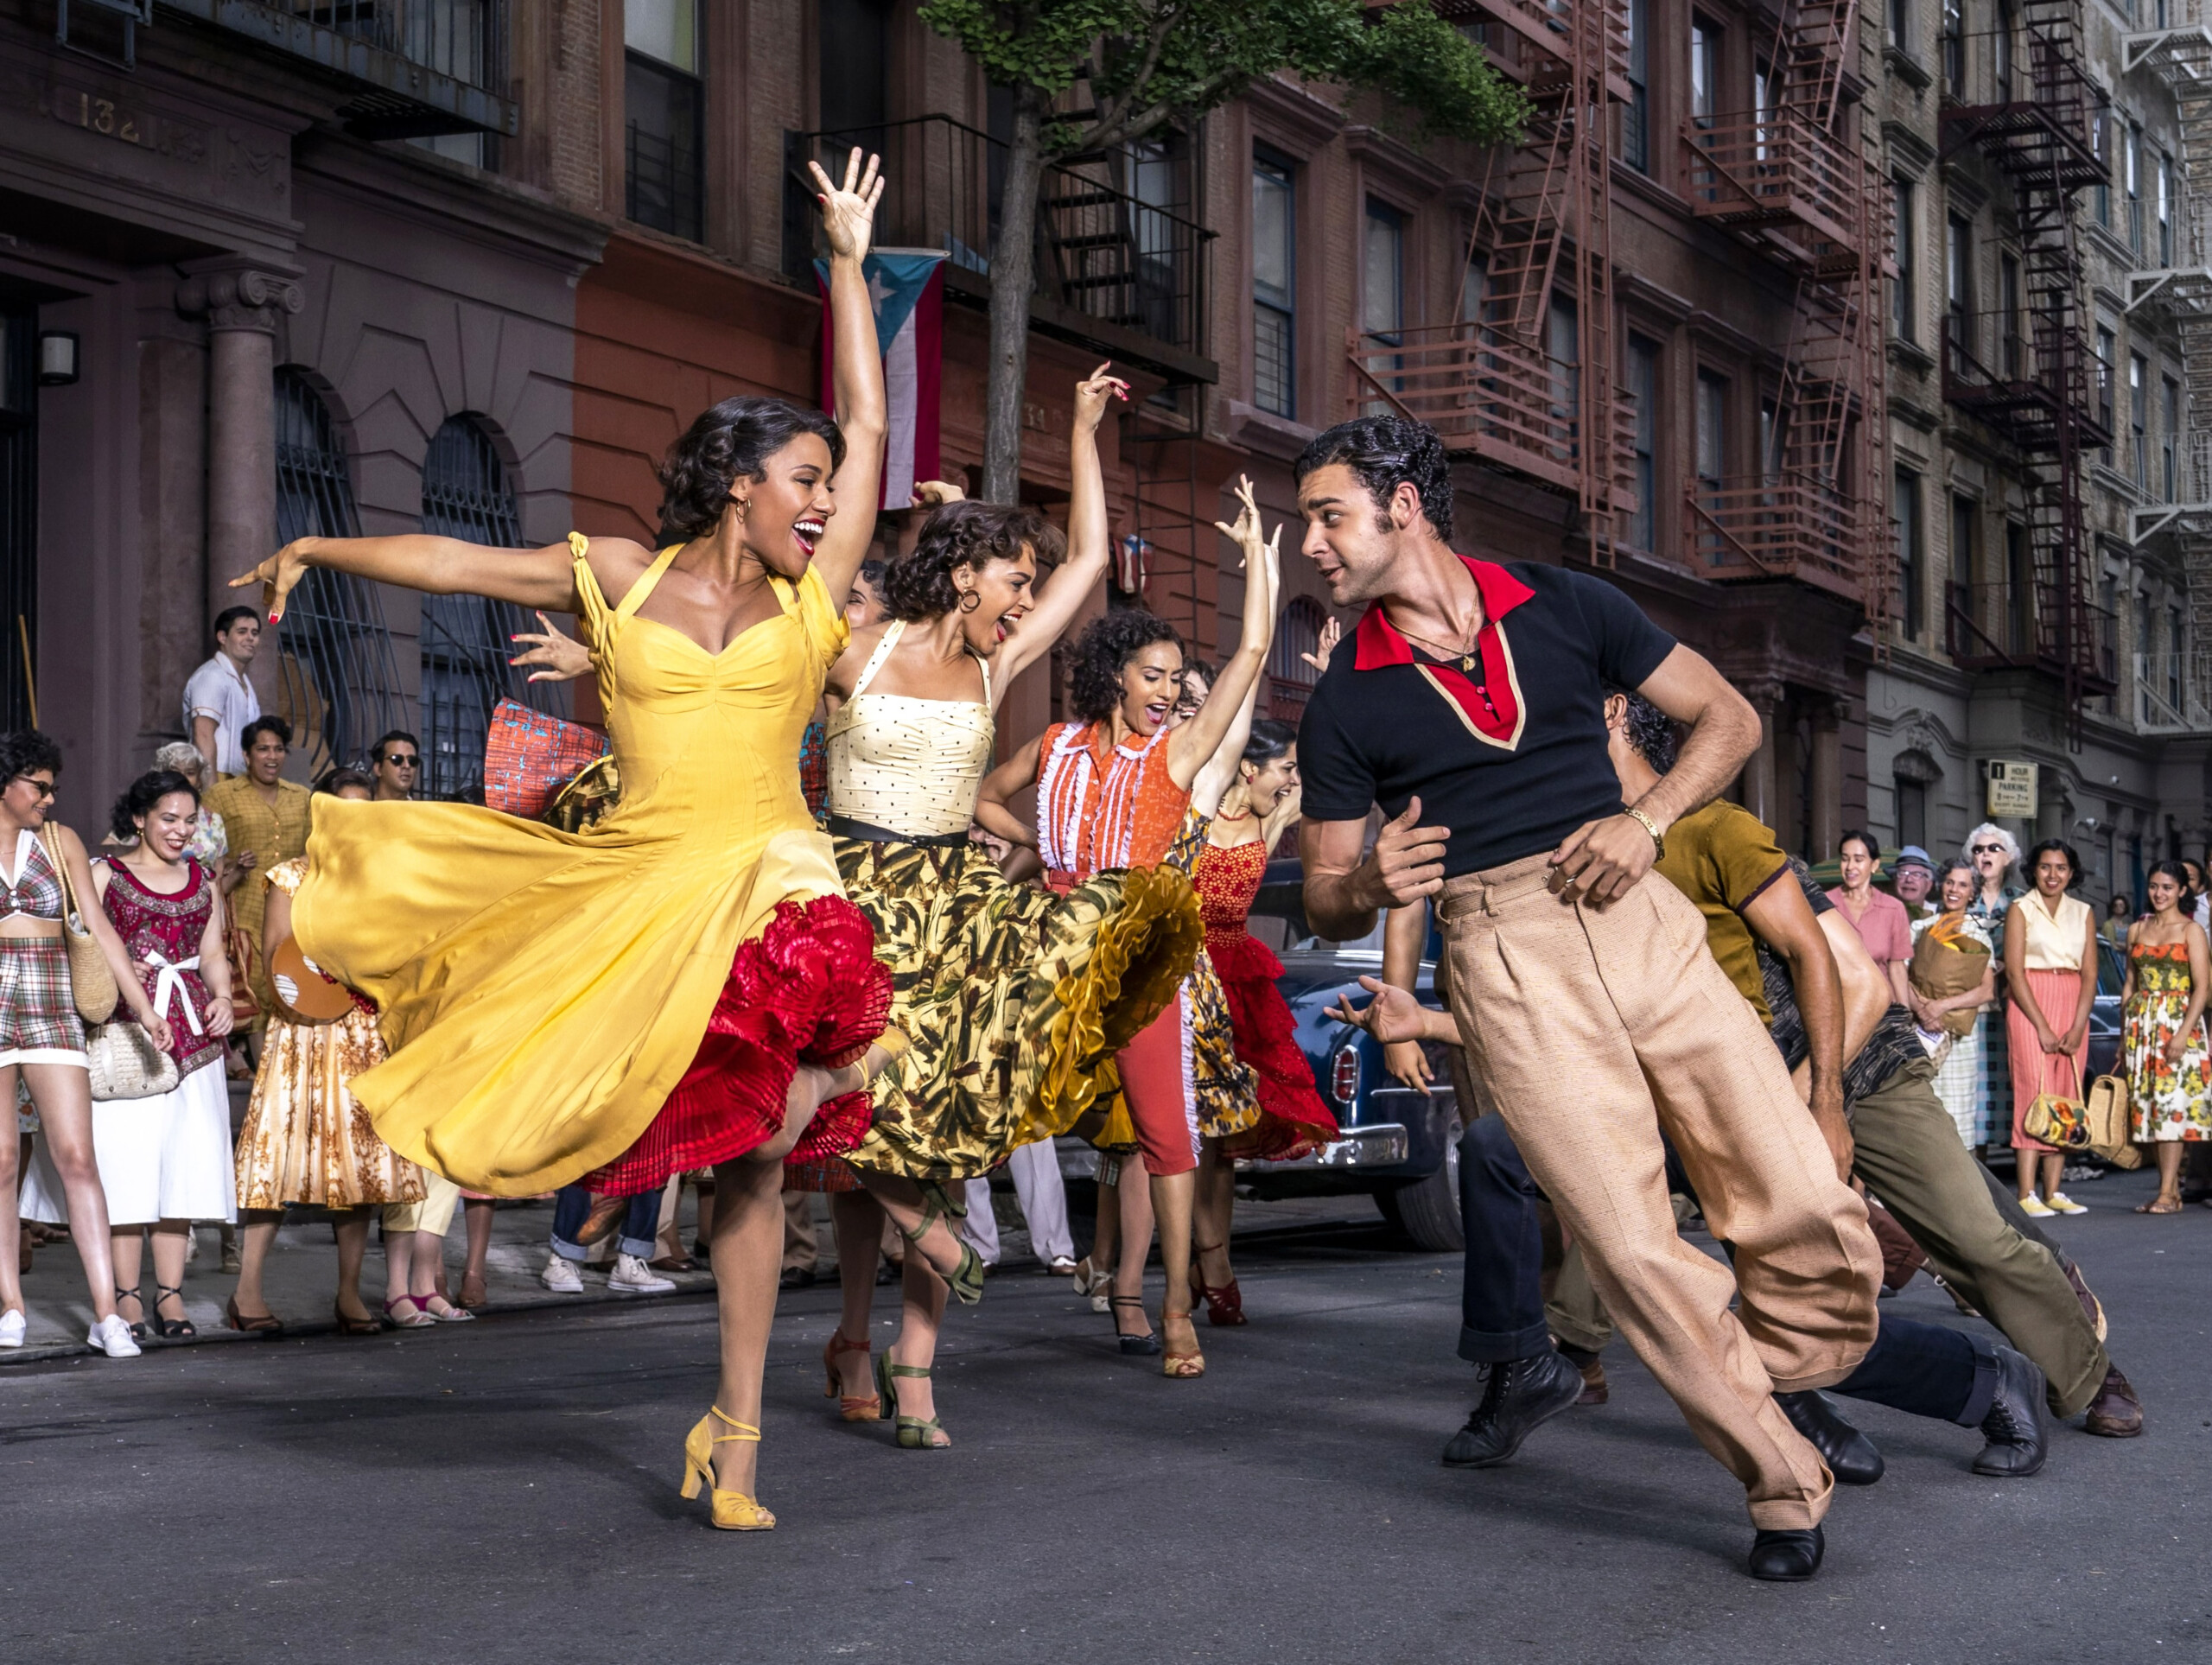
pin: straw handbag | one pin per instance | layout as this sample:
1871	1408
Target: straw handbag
92	982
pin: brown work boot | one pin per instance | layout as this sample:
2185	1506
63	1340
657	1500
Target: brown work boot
2115	1412
1594	1391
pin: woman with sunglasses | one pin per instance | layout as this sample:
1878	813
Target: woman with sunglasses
1994	853
42	1039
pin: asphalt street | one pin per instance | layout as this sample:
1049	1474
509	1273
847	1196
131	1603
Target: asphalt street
507	1490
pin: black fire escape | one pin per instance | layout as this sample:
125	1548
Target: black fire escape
2019	94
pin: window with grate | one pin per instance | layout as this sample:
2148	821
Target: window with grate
664	132
468	639
338	682
1298	633
1275	284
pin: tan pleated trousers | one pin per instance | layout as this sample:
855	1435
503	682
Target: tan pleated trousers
1593	1030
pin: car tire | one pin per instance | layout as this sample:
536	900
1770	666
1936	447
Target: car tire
1427	1210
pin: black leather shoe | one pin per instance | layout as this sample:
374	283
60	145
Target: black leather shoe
1787	1557
2018	1427
1850	1455
1522	1395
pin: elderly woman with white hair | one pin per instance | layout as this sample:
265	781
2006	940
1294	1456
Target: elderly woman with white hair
209	845
1994	853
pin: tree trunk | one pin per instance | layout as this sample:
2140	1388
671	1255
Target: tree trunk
1013	270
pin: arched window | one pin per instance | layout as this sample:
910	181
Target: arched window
466	638
338	683
1298	633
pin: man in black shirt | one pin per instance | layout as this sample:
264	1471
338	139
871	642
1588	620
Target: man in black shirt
1591	1009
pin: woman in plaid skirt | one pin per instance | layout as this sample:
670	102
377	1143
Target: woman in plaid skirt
41	1040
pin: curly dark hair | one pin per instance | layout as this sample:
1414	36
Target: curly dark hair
140	797
918	585
1271	738
1103	651
26	750
268	724
1652	734
1382	451
735	437
339	779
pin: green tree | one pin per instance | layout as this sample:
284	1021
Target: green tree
1150	64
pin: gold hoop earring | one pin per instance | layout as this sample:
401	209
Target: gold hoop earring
969	600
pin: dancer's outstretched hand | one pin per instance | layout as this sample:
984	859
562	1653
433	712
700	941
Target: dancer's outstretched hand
848	211
560	658
1092	392
1392	1016
1331	633
278	577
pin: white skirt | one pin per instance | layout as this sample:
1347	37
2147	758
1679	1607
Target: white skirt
164	1158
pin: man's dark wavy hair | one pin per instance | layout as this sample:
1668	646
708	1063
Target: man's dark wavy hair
26	751
1652	734
1381	451
918	584
1103	651
735	437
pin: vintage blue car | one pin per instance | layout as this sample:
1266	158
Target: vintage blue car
1399	1144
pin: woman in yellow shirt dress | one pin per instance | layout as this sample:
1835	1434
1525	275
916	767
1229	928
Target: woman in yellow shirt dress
682	984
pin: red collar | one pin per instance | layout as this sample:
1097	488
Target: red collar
1378	642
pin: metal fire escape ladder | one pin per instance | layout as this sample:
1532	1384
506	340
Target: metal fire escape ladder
1503	387
2181	56
2031	108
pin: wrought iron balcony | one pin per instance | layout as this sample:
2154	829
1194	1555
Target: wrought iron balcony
1118	269
2023	94
419	67
1494	398
2021	375
1790	524
2001	626
1778	177
1542	27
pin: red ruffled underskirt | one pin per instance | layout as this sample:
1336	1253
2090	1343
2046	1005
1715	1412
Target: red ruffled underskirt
807	989
1292	1118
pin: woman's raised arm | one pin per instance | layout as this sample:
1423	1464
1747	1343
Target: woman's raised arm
1060	597
1189	746
856	370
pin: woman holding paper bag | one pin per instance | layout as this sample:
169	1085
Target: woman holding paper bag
1948	949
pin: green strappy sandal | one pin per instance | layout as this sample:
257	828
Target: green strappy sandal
914	1432
966	1280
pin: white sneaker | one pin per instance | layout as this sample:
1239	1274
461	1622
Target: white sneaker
112	1337
631	1276
2060	1203
561	1276
12	1326
2034	1209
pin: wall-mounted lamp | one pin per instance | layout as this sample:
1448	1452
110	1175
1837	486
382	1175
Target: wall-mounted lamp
57	358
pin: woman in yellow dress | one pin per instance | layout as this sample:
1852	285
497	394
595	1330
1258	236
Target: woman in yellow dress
682	984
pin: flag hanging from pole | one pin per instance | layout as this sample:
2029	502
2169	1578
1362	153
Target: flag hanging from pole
907	286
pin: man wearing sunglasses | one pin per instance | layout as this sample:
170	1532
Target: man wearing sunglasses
396	760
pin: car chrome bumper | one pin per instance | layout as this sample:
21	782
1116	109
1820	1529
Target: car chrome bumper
1384	1144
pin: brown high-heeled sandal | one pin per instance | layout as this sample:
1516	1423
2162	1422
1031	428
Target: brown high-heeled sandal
347	1325
262	1323
851	1408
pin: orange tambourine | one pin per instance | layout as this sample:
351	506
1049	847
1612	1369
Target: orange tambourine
305	992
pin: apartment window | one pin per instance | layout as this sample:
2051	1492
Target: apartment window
2108	635
2019	589
1644	388
1955	48
1274	286
1712	439
2132	182
1912	812
665	116
2164	204
1636	121
2144	651
2004	50
1958	283
1966	557
2008	298
2139	418
1898	24
1382	299
2100	192
2107	356
1903	313
2169	439
1704	71
2173	658
1912	552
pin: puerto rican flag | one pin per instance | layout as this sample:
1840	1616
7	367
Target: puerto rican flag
908	288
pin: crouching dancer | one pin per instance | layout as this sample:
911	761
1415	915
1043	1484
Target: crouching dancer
1593	1013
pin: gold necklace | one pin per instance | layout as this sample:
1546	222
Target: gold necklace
1464	655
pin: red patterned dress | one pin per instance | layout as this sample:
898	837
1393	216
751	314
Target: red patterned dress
1292	1119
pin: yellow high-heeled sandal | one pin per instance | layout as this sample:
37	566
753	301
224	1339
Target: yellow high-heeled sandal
733	1511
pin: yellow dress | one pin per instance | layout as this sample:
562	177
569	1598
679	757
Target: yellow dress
543	992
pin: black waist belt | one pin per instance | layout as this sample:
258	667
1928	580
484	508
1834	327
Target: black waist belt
842	827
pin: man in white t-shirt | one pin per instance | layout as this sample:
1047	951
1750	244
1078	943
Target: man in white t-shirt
219	701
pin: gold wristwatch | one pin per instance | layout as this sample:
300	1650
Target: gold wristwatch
1658	838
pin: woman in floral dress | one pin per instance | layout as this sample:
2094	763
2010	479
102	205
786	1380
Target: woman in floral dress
2163	1032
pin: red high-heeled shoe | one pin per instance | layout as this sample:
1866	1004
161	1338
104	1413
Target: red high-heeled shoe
851	1408
1224	1306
